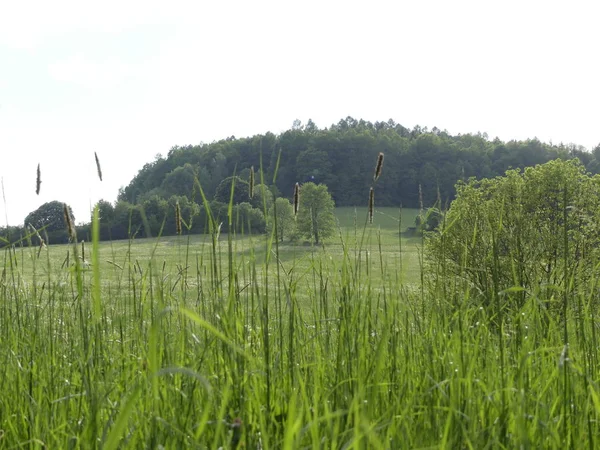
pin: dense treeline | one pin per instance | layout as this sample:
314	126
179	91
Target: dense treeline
341	156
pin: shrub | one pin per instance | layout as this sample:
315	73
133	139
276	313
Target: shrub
521	232
430	221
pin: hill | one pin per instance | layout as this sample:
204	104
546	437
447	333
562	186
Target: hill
342	156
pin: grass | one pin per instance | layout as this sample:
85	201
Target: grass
195	343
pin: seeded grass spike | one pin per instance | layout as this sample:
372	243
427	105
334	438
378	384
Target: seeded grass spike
38	180
371	203
178	218
98	168
69	221
296	198
251	187
378	167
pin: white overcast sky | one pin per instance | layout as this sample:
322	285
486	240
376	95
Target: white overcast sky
131	79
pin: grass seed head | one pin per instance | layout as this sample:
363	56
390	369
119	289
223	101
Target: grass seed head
38	180
251	187
296	198
69	222
378	166
178	218
98	168
371	203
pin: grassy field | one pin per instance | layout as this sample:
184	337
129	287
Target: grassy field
389	253
194	342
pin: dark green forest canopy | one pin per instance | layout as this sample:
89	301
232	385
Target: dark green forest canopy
343	156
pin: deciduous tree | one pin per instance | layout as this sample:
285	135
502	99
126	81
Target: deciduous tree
283	213
50	215
316	220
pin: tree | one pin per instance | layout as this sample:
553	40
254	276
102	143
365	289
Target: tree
340	156
156	209
283	212
248	219
127	220
520	230
188	210
106	211
262	197
241	192
180	181
106	214
313	164
315	213
50	215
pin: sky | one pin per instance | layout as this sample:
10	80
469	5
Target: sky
130	79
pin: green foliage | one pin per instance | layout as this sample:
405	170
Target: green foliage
189	210
180	181
340	156
315	213
314	164
12	234
429	221
155	210
263	197
241	191
529	229
127	221
106	216
50	217
283	213
248	219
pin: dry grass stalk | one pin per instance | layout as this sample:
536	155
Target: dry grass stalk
38	180
69	222
378	166
296	198
82	250
251	188
98	166
371	203
178	218
42	243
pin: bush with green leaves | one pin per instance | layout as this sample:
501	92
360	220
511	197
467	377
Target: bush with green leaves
248	219
510	236
429	221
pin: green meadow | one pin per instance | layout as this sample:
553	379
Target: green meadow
386	241
237	341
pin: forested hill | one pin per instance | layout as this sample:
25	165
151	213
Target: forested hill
343	157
